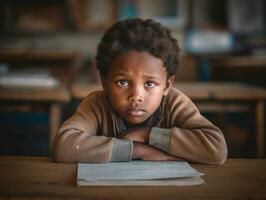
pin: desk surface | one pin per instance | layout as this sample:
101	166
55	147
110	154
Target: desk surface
37	55
237	61
196	91
60	94
36	177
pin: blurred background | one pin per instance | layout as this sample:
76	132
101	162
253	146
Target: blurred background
47	64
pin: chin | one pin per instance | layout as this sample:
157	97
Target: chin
135	121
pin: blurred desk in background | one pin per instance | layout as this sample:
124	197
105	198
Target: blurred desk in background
246	68
218	97
39	178
239	61
37	99
43	65
63	64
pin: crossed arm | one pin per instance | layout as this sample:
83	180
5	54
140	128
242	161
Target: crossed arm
141	149
192	137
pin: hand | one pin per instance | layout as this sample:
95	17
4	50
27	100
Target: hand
137	135
149	153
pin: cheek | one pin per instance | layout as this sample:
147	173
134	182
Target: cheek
154	97
116	97
115	93
157	93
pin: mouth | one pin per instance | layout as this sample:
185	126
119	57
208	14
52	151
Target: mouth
135	112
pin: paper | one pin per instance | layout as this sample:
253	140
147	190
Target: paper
29	78
138	173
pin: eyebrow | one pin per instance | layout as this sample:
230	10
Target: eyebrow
151	77
120	74
124	73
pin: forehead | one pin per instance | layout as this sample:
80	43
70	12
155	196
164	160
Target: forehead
137	63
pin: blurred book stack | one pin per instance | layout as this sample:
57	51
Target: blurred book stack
27	78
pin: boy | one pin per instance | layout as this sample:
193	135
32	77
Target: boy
138	115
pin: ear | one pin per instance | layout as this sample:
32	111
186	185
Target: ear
169	83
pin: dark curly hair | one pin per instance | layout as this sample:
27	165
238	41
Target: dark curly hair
140	35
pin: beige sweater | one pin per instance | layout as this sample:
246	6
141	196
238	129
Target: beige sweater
91	134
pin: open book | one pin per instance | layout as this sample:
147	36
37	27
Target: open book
138	173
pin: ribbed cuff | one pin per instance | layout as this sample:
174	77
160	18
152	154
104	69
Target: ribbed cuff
160	138
122	150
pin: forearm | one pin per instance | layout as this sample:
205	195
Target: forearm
141	148
206	145
74	145
146	152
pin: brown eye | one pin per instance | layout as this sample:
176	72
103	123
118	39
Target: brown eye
122	83
150	84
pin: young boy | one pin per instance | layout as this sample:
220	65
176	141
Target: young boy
138	115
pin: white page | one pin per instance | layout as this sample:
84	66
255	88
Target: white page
190	181
135	170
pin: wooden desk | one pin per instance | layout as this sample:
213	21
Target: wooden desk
38	178
248	69
214	97
26	99
62	63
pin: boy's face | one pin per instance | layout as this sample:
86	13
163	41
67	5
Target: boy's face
135	85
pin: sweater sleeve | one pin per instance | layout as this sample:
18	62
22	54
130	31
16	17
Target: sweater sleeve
79	138
190	135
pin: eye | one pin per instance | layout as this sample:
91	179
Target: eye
150	84
122	83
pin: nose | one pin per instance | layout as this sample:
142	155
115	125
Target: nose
136	95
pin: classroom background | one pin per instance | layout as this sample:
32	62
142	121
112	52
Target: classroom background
47	64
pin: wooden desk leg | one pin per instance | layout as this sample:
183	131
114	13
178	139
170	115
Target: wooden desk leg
55	118
260	128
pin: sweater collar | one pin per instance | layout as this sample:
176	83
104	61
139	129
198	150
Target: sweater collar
154	120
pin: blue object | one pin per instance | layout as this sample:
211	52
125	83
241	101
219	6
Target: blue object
209	41
127	9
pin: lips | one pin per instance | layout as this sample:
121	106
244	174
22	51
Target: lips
135	112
